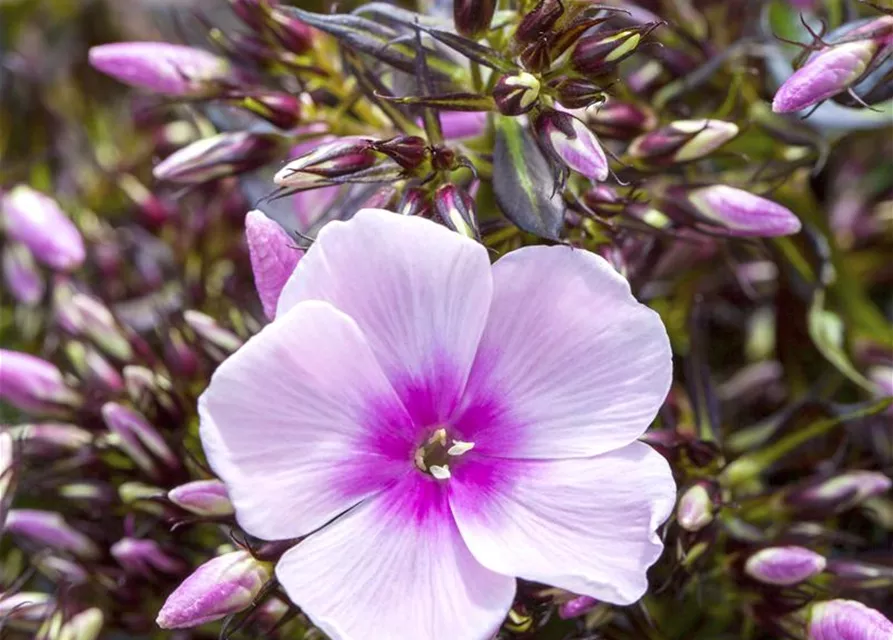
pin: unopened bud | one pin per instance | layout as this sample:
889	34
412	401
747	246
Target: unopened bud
861	575
212	333
34	385
620	120
48	528
516	94
695	510
339	158
93	319
415	202
224	585
86	625
784	566
472	17
539	20
599	52
145	557
274	256
136	436
537	56
455	207
50	437
581	605
21	274
61	571
27	606
282	110
407	151
36	221
735	212
841	492
570	142
846	620
93	368
203	498
161	67
7	473
219	156
682	141
579	93
291	33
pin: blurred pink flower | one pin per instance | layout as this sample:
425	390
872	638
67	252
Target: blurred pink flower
441	426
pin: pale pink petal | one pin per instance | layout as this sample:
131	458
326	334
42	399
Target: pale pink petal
582	524
301	423
396	568
419	292
273	257
570	364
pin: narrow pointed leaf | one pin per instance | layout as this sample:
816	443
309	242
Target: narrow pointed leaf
522	181
448	101
480	53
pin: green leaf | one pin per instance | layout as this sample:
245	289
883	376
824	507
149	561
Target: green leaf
826	331
448	101
522	181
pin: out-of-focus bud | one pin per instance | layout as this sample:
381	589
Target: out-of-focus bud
784	566
841	492
414	203
144	557
136	436
28	606
149	391
222	586
282	110
274	256
94	320
861	575
472	17
455	207
334	159
539	20
570	142
50	529
179	356
834	69
735	212
21	275
577	607
578	93
407	151
846	620
51	437
165	68
695	509
604	201
34	385
202	497
86	625
36	221
212	333
291	33
222	155
516	94
252	12
93	368
600	52
61	571
682	141
620	120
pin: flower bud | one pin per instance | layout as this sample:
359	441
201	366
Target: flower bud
407	151
36	221
472	17
414	203
581	605
161	67
86	625
219	156
459	125
695	510
846	620
49	529
537	56
455	207
21	275
784	566
34	385
92	368
841	492
620	120
274	256
136	436
341	157
571	142
539	20
145	557
735	212
203	498
51	437
861	575
252	12
27	606
224	585
516	94
682	141
282	110
61	571
578	93
7	473
599	52
91	318
211	333
291	33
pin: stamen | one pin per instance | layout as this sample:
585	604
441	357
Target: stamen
439	437
459	447
420	459
440	472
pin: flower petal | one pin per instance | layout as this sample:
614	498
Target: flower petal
419	292
301	423
395	568
273	257
570	364
582	524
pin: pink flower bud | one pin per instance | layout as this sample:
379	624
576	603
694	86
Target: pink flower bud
577	607
28	606
841	492
36	221
570	141
161	67
202	497
516	93
21	275
859	574
224	585
274	256
282	110
34	385
695	510
682	141
137	436
48	528
292	34
50	437
145	557
847	620
456	208
335	159
90	317
219	156
620	120
784	565
736	212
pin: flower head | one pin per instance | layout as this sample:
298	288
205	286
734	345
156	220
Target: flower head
437	427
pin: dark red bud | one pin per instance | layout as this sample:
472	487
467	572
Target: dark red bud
280	109
414	203
576	93
473	17
537	56
600	52
620	120
293	34
540	20
516	94
455	207
407	151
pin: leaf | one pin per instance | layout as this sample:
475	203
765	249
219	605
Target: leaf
448	101
470	49
522	181
826	331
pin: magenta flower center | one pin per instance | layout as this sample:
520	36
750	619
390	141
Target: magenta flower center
439	453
